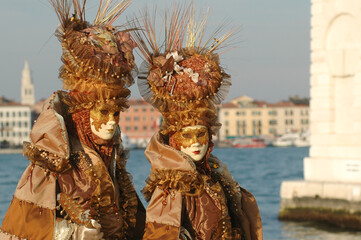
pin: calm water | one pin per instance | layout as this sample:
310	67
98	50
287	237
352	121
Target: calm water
260	171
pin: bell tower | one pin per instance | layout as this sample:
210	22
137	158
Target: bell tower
27	87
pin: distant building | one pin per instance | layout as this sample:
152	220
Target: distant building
286	117
139	122
15	124
4	100
16	119
246	117
27	87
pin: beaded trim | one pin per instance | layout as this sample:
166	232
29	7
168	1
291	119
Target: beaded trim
187	182
231	203
45	159
81	161
128	200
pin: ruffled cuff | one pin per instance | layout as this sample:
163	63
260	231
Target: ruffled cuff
186	182
45	159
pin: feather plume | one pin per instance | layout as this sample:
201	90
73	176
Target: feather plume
145	37
176	27
195	31
174	31
108	11
62	9
184	28
215	41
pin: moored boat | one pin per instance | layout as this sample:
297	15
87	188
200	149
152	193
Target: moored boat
292	139
249	143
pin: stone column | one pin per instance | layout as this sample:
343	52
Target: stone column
332	173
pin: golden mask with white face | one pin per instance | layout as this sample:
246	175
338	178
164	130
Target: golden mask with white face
193	141
104	120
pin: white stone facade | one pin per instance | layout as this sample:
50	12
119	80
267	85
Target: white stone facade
294	189
15	124
333	170
335	153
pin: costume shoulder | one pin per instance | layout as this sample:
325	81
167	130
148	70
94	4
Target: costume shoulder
171	169
49	146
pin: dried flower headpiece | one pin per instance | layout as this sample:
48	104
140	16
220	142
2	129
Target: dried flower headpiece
182	77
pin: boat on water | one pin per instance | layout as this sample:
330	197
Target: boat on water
293	139
249	143
286	140
303	140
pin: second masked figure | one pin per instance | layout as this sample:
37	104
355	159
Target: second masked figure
191	193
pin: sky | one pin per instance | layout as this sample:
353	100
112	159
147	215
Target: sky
270	61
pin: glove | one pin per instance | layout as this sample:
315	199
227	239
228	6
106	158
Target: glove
84	233
63	230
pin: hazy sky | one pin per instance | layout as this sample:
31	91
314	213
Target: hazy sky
271	61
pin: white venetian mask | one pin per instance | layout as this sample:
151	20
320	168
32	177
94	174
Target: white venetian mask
194	141
103	121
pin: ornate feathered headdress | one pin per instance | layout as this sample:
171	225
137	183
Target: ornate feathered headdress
182	78
98	63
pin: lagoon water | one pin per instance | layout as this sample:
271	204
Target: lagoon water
260	171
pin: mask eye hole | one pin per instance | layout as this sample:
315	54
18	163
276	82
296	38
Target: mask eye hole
104	112
187	135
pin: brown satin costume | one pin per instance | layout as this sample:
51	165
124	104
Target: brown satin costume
183	202
59	162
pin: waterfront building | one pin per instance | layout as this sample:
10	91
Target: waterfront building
27	87
287	117
331	189
15	124
16	118
139	122
246	117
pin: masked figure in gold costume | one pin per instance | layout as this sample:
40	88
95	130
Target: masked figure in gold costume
76	185
191	193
